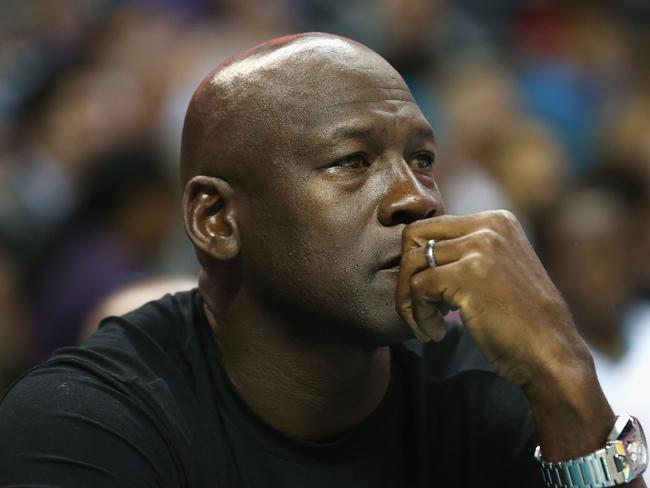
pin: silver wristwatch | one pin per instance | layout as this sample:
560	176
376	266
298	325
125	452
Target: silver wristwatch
624	457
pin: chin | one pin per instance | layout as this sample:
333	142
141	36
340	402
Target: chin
384	333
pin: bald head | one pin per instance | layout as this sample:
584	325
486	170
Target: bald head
246	106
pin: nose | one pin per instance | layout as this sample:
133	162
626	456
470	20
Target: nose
407	199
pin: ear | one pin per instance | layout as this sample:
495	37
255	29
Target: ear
210	217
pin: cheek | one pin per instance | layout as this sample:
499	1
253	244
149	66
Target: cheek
308	250
316	258
331	230
320	220
324	245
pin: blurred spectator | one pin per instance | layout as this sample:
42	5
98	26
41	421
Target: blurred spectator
114	238
588	237
477	102
480	101
626	136
575	63
626	157
531	166
590	253
501	157
74	117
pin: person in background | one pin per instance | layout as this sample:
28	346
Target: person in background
589	250
111	240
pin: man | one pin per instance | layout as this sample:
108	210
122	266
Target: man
310	197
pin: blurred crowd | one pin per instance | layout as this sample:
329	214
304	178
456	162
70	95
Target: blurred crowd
541	107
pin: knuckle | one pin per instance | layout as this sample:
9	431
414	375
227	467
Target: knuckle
420	284
477	266
415	282
413	233
506	218
503	221
490	239
494	219
410	256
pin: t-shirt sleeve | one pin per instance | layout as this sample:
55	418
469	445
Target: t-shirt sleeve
64	427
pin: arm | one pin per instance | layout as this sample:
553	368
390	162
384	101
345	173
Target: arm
487	268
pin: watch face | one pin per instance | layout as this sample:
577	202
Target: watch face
636	449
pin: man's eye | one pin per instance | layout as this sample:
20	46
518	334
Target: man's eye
353	162
424	160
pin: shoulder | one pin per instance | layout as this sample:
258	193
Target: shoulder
61	425
123	405
149	342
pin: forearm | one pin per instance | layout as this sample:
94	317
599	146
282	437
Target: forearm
573	418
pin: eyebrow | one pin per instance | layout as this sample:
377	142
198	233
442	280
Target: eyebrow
351	132
425	132
355	131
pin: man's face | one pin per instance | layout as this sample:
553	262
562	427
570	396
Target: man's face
321	224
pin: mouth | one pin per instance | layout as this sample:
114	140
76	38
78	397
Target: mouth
392	264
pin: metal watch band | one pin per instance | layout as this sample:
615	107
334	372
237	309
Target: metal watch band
595	470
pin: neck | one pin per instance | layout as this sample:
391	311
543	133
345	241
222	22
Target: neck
308	391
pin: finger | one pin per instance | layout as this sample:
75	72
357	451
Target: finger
445	308
443	227
446	251
429	319
423	334
414	261
427	316
431	289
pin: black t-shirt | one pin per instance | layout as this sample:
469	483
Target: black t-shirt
146	403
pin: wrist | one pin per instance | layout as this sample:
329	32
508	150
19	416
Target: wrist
572	415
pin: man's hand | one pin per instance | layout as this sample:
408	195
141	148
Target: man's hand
488	270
